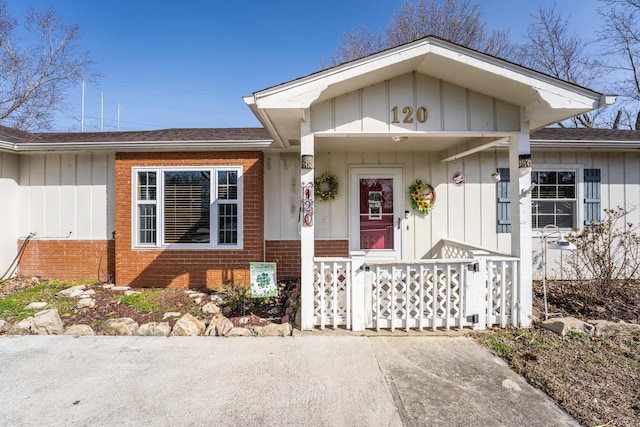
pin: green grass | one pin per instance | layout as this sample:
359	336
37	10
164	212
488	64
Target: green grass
502	348
144	302
14	307
576	336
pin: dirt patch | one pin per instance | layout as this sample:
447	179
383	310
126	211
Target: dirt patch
596	380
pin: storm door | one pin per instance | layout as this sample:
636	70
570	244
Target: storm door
375	212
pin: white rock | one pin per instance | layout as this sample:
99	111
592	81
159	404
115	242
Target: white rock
210	308
23	327
4	326
188	325
47	322
218	298
562	325
605	327
37	305
108	286
122	326
86	303
120	288
89	292
239	332
127	293
73	291
274	330
171	315
219	326
79	331
154	329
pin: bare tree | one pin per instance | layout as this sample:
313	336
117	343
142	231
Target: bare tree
621	40
457	21
551	48
34	79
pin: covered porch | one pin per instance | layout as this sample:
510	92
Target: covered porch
429	111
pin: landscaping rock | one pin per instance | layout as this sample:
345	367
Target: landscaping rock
120	288
23	327
239	332
188	326
154	329
37	305
219	326
274	330
73	292
47	322
127	293
79	331
89	292
86	303
171	315
218	298
562	325
4	326
611	329
210	308
122	326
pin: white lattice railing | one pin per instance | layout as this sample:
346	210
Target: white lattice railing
443	293
332	292
425	294
502	295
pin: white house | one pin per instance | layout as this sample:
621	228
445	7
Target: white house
427	122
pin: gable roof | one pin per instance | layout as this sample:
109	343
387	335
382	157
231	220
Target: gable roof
586	138
545	100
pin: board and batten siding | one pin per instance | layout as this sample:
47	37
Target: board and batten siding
67	193
466	212
9	214
448	108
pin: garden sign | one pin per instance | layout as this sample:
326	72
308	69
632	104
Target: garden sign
263	279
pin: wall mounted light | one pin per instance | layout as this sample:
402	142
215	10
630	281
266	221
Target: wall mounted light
399	138
306	161
524	163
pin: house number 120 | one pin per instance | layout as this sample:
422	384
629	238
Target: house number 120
421	114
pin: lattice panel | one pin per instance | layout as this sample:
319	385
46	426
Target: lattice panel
331	300
416	295
501	289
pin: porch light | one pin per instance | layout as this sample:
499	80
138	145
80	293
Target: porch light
550	231
524	163
306	161
399	138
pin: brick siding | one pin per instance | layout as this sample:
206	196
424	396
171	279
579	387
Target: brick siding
189	268
287	254
68	259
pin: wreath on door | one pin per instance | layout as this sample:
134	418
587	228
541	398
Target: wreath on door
423	197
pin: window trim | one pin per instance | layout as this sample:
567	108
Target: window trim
566	167
213	206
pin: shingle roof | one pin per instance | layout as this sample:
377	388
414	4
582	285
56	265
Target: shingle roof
584	134
163	135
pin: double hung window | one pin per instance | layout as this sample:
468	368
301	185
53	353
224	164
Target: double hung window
188	207
554	198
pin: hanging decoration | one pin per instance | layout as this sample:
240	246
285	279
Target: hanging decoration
326	186
423	197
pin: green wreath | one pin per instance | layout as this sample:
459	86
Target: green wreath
423	197
326	187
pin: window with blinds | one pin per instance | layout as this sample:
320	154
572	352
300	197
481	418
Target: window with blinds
554	199
192	207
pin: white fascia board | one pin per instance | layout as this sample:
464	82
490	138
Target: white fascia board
229	145
301	93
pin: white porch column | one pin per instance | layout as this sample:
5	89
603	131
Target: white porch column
307	235
521	234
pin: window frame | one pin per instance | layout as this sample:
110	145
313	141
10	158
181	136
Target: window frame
578	169
214	232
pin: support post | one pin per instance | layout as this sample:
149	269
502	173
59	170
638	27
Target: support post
521	233
307	235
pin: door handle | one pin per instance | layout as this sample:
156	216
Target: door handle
399	222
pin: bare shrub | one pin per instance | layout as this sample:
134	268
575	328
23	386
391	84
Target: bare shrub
607	258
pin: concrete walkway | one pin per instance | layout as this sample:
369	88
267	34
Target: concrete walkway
303	380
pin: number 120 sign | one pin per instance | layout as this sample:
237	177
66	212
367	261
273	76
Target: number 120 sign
408	115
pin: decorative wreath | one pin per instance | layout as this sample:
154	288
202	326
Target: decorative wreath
326	187
423	197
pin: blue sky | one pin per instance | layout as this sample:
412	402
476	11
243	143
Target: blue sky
187	64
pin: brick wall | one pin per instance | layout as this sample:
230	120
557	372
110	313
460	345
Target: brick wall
287	254
189	268
68	259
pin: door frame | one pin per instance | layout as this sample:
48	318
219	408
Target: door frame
396	172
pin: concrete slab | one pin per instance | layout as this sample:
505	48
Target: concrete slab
314	381
442	381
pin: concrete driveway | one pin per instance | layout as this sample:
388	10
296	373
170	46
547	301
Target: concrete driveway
302	380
